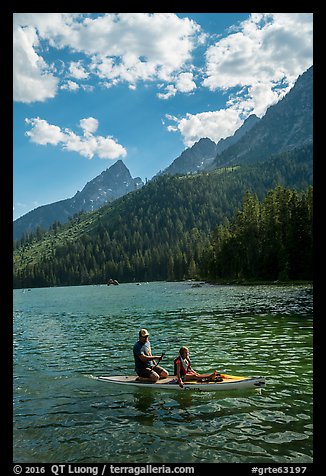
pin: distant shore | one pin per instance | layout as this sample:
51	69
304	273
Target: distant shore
256	282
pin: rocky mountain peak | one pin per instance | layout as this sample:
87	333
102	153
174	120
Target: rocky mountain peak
111	184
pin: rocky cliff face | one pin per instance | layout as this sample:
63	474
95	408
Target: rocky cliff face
112	183
286	125
202	154
194	159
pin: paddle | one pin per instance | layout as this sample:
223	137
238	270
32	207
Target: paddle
171	344
159	360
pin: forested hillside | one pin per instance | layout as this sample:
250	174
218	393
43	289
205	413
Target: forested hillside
156	233
269	240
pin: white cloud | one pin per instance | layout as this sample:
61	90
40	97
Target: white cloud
70	85
261	60
138	46
170	92
89	125
32	80
185	83
212	124
106	147
44	133
86	145
125	47
269	48
77	71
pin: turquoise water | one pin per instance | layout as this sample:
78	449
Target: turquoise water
64	337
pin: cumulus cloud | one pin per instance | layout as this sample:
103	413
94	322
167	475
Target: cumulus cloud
185	83
77	70
261	61
32	79
269	49
255	63
89	125
138	46
170	92
124	47
87	145
44	133
213	124
70	85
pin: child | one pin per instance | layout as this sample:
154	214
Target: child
184	372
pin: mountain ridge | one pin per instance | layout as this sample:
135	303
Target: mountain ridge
286	125
109	185
253	141
202	153
156	233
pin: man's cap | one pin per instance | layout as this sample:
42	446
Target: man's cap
143	333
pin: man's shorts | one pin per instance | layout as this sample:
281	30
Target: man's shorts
147	372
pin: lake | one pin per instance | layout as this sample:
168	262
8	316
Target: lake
66	336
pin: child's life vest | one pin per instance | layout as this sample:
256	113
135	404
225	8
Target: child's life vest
184	366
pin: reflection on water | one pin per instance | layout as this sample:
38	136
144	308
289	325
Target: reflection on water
65	336
143	400
146	399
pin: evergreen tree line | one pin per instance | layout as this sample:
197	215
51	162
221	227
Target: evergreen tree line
39	232
160	232
269	240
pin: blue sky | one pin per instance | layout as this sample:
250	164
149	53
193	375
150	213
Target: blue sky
90	89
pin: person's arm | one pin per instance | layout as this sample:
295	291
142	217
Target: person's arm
180	382
191	371
146	358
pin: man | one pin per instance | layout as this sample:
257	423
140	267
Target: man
145	366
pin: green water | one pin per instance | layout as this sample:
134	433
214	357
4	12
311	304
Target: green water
63	337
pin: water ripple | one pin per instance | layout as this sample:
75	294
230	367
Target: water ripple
65	337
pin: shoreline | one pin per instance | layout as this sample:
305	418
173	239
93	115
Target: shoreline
221	282
253	282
